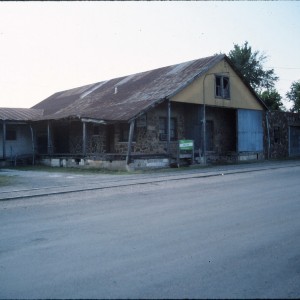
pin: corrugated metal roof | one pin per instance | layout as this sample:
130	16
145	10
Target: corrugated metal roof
20	114
121	99
61	99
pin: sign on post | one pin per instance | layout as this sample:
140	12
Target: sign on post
185	150
186	145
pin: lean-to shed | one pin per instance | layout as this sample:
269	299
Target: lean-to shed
16	132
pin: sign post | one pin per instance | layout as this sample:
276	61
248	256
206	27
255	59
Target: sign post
185	150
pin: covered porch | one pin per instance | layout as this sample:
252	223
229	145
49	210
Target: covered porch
152	139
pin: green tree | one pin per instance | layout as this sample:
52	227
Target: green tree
250	65
272	99
294	96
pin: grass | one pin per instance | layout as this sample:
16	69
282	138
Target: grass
78	170
91	171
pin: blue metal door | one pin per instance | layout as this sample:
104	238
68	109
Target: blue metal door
250	130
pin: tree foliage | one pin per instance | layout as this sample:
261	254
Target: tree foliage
294	96
250	65
272	99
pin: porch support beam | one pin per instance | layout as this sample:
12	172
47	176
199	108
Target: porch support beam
84	138
130	138
32	144
4	139
49	140
204	134
169	127
95	121
268	134
204	121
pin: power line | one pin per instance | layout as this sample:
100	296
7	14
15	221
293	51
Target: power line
286	68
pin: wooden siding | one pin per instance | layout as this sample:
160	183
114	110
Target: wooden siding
22	145
240	95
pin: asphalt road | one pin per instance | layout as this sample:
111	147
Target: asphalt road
231	236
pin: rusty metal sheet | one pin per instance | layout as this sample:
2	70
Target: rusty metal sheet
121	99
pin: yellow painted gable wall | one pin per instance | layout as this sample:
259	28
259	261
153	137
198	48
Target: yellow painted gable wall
240	96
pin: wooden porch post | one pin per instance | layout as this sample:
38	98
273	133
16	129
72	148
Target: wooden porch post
32	144
84	138
130	137
49	141
169	127
4	140
204	120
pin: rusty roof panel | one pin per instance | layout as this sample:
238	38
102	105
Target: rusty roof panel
125	97
61	99
20	114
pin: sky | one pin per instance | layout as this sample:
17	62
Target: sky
47	47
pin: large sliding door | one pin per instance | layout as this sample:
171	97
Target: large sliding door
250	130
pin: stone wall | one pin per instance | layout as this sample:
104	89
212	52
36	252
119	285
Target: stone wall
95	138
276	133
96	141
147	137
75	142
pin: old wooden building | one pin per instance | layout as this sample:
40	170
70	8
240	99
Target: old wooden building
138	121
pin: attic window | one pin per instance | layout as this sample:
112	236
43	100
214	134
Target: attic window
222	87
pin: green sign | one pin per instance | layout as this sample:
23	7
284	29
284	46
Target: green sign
186	144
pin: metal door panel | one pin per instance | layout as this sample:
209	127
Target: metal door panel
250	130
